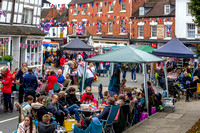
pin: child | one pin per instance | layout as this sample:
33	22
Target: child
78	125
122	85
128	97
116	97
46	119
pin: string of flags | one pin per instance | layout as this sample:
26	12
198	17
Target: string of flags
23	45
3	42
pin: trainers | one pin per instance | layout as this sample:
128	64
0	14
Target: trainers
135	80
131	80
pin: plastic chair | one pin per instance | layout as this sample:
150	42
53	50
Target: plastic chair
78	130
111	116
56	87
17	87
49	128
96	128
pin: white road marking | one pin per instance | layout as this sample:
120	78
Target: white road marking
9	119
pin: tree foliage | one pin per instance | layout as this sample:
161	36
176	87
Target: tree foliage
195	10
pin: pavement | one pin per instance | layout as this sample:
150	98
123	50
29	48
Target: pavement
188	113
180	121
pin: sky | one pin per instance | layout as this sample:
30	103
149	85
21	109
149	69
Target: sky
59	1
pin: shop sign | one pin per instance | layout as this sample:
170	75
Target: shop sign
154	45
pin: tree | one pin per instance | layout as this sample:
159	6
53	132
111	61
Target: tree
195	10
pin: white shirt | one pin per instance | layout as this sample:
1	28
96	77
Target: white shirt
89	74
66	71
80	71
79	57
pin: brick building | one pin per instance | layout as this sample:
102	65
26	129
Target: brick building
102	19
123	21
153	23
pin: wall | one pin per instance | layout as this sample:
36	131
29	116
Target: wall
93	19
182	18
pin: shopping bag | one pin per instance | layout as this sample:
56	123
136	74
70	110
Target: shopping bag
68	124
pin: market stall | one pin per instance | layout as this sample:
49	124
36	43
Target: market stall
127	54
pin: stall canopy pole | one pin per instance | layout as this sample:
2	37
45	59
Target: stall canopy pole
166	82
111	70
84	74
145	87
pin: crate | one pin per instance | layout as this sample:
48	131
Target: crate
169	102
169	109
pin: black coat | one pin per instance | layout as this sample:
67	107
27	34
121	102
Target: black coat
63	102
40	112
71	99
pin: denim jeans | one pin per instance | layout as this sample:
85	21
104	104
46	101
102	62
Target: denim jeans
89	82
112	93
133	71
7	101
74	109
124	74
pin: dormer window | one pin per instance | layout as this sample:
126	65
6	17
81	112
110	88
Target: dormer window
167	9
141	11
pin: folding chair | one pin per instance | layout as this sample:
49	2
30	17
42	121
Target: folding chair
96	128
78	130
110	120
56	87
49	128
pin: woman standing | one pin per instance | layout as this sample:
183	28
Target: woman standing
27	126
6	89
114	84
52	79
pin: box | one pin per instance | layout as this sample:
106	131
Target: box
168	102
169	109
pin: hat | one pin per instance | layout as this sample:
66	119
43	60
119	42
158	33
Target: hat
62	93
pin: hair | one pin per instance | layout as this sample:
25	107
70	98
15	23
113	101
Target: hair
149	83
117	73
4	68
30	70
24	63
122	97
52	73
78	125
16	69
55	96
142	94
29	98
31	122
71	89
111	101
106	93
142	84
40	99
60	70
88	88
115	97
46	118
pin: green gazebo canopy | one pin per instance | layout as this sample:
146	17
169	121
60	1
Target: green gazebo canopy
126	54
146	48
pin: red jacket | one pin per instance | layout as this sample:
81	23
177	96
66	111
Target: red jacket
51	81
86	97
7	82
62	61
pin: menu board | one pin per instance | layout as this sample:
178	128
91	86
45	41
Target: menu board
160	31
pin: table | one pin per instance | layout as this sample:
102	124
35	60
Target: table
88	111
172	77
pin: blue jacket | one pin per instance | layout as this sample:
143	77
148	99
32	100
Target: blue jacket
61	79
114	84
20	76
30	82
184	79
104	114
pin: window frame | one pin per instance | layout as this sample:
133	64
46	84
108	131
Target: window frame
140	9
166	7
139	32
109	7
25	13
122	3
124	25
154	27
109	26
74	13
84	12
191	30
100	8
99	21
188	11
74	29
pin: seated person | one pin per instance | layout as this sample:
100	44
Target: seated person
139	106
57	110
194	84
67	80
105	97
27	126
121	97
120	103
180	75
115	97
186	79
122	85
103	115
72	109
26	106
40	108
71	97
151	91
45	126
142	86
128	97
60	76
87	96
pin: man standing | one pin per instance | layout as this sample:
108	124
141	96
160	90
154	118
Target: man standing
133	67
20	78
197	72
30	83
6	89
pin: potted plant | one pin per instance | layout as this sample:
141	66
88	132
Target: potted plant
8	58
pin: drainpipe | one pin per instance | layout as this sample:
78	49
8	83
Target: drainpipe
13	11
130	19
